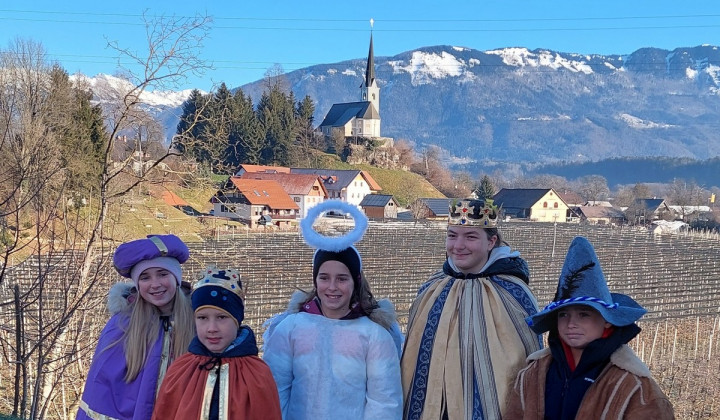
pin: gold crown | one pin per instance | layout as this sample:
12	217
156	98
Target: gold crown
473	213
228	279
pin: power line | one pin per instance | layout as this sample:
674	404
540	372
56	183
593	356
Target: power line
344	20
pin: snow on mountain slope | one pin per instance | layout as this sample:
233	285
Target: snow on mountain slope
109	88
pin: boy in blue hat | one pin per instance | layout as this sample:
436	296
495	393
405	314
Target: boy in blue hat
588	371
222	376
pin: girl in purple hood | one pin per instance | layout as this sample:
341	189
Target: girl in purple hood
151	324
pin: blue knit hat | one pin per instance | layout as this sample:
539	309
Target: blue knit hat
221	289
582	282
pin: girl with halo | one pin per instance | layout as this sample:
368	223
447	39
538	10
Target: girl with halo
334	353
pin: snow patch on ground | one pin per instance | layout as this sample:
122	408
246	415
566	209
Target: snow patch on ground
639	123
522	57
424	67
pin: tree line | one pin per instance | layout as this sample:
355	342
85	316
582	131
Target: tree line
222	130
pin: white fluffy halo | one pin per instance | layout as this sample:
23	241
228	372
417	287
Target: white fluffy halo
333	243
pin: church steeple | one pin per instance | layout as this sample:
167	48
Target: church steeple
369	90
370	71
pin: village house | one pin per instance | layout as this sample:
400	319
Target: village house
601	215
534	204
380	206
431	208
348	185
255	202
646	210
306	190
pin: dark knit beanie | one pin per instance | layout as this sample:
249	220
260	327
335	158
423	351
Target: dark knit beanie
348	256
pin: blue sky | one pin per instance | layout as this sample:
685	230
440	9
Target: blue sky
247	37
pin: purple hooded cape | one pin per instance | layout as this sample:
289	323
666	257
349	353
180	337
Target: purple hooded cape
106	392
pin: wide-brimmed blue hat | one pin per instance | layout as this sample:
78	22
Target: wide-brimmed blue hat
582	282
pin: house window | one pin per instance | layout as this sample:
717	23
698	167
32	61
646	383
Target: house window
297	199
555	205
545	205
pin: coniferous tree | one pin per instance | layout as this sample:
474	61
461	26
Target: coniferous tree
486	189
247	138
306	136
218	127
276	113
192	122
80	129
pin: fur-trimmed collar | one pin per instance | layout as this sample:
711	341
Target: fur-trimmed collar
624	358
384	314
121	297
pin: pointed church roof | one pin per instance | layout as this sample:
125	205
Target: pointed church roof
370	71
340	114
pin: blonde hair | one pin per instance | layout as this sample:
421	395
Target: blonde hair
145	325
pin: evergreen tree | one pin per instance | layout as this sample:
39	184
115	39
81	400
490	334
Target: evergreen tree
217	130
276	113
247	138
80	129
188	139
486	189
306	137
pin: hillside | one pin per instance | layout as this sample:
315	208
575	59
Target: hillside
405	186
145	211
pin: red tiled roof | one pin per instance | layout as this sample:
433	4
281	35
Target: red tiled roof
371	182
264	168
264	192
172	199
297	184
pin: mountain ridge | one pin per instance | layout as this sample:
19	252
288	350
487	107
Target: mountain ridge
536	106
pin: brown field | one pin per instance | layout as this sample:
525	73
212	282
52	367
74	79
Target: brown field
675	278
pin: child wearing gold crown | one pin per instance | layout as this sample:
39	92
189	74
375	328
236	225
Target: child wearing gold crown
466	337
222	376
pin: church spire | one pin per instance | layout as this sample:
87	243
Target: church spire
369	89
370	71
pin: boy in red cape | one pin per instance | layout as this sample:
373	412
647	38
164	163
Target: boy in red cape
221	377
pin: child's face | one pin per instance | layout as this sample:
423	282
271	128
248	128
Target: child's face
216	329
335	287
468	247
578	325
157	286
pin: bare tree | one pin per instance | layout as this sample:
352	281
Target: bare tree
406	154
686	195
65	250
593	187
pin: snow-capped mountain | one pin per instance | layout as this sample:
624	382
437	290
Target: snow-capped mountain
518	105
164	106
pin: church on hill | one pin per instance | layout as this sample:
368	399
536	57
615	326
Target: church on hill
358	120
